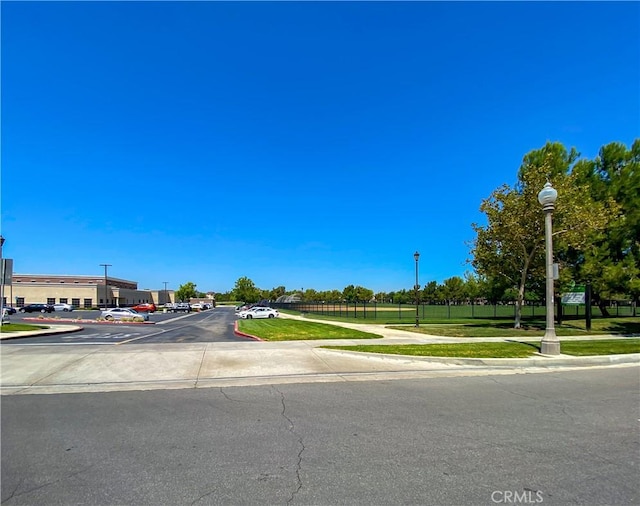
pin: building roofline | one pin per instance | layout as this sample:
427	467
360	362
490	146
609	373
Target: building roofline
74	276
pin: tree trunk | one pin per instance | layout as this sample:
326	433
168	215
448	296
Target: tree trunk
603	308
519	302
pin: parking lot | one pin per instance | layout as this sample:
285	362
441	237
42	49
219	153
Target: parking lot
216	325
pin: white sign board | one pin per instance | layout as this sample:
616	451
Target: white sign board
573	298
6	271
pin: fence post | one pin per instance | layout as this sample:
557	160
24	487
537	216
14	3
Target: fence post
559	310
587	306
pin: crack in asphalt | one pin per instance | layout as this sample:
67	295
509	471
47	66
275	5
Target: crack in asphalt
13	492
510	390
33	489
292	429
203	496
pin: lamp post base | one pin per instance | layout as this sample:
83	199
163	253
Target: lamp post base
550	347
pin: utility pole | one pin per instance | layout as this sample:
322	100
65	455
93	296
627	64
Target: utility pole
105	284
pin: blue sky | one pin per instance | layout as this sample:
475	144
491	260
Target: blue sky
304	144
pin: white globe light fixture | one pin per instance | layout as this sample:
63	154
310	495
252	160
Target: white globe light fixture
547	196
550	344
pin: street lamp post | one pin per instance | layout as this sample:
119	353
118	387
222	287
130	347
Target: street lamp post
550	344
1	283
416	257
105	283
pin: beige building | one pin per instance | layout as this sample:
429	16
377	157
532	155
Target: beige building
80	291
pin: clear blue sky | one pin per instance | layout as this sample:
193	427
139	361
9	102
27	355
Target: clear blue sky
304	144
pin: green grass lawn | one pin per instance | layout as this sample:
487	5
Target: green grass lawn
530	328
495	327
601	347
499	350
280	329
18	327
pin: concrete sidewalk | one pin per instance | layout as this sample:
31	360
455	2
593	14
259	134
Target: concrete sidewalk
91	368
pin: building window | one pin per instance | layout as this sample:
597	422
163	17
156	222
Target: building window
51	300
20	301
87	303
75	302
63	300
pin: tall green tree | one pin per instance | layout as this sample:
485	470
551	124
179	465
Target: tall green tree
186	292
357	294
612	262
511	244
277	292
246	291
430	292
453	289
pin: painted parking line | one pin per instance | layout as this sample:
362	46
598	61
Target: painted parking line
107	335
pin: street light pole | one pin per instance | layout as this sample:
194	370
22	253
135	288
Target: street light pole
105	283
550	344
416	257
1	283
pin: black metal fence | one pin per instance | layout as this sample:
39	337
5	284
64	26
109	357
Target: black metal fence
407	312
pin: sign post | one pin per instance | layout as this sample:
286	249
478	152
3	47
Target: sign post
6	273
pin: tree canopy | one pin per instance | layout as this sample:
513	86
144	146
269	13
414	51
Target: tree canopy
511	244
186	292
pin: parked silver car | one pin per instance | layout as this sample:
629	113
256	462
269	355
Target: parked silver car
124	313
61	306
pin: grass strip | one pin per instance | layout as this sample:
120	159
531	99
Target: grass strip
464	350
600	347
281	329
513	349
19	327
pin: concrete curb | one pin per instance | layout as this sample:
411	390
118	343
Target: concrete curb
242	334
539	361
52	330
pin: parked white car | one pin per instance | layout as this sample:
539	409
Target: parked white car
259	312
242	312
61	306
124	313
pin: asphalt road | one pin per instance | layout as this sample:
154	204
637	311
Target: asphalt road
215	325
553	439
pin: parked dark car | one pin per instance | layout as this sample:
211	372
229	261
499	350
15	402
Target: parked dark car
10	310
37	308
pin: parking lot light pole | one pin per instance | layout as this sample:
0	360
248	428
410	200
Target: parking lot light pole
416	257
105	283
164	300
1	283
550	344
